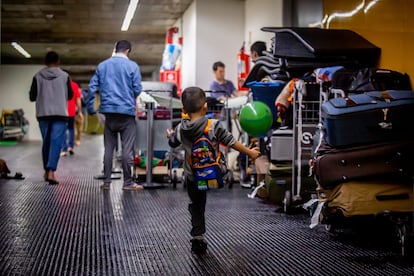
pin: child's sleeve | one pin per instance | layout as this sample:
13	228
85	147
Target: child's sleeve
223	135
175	139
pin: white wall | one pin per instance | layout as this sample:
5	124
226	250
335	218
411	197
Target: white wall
211	30
215	30
188	54
259	14
220	34
15	82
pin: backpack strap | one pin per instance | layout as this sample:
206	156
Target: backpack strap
207	128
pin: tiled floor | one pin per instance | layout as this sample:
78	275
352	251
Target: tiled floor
75	228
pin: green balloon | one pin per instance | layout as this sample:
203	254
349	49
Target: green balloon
256	118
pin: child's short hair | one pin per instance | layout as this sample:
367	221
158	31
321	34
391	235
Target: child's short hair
193	99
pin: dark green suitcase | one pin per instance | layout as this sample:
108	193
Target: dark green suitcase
278	180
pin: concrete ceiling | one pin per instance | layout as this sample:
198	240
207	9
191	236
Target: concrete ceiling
84	32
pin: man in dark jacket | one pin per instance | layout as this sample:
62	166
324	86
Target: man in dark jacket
51	90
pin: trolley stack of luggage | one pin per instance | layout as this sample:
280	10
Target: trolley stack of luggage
295	52
291	144
363	149
364	155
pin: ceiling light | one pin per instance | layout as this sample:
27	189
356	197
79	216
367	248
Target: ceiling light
129	14
20	50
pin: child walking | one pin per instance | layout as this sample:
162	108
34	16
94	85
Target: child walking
188	131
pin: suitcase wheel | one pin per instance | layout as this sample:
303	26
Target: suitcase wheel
330	228
401	230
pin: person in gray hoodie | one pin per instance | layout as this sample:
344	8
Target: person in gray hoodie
51	90
186	133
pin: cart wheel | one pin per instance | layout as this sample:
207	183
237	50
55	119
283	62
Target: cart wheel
287	201
402	237
230	179
183	181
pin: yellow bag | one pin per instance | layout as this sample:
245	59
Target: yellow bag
371	197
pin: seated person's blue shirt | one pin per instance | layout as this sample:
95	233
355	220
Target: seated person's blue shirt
222	89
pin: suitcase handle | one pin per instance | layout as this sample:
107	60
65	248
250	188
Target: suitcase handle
381	95
392	197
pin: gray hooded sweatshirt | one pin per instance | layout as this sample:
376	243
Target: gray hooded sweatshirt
51	91
186	133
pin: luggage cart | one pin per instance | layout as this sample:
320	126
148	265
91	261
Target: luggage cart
393	208
13	124
306	117
152	123
265	92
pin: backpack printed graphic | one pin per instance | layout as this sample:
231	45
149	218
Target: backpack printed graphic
205	162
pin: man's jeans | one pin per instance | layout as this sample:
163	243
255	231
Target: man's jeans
53	135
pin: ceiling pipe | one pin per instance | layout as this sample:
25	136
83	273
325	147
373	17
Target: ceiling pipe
170	34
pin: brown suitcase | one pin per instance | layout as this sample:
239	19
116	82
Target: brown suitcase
342	165
370	197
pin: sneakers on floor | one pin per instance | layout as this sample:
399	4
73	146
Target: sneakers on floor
198	246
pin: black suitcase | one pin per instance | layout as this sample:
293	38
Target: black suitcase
369	79
322	47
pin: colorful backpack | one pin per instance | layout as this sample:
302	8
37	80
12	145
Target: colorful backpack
206	161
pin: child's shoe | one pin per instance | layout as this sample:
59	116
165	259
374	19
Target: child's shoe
198	246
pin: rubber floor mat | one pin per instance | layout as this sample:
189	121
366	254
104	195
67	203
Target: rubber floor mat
75	228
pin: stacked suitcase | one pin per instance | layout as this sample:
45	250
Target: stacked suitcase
364	161
367	145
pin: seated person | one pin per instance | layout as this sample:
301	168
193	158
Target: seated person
220	88
257	49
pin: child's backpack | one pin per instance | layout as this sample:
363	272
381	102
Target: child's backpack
206	161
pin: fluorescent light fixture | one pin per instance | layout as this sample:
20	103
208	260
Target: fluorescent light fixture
345	14
129	14
20	50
